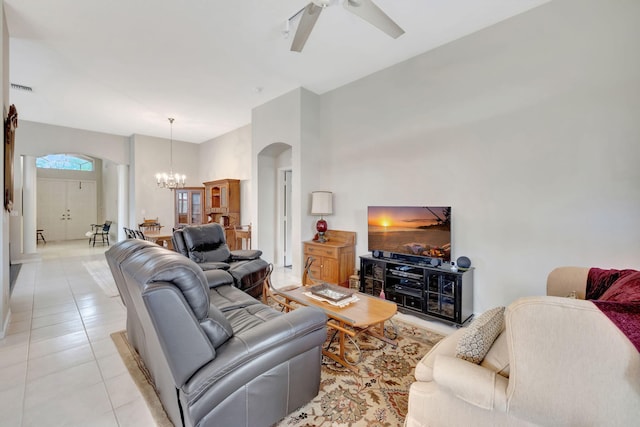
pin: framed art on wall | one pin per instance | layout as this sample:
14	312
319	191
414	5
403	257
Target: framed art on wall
10	125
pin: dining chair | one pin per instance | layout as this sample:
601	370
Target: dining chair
150	225
101	230
242	233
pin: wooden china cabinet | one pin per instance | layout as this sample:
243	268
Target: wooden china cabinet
189	209
222	205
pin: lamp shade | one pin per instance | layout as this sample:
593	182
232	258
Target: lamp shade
321	203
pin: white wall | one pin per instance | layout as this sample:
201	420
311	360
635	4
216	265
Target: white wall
153	155
109	196
290	120
229	156
276	122
38	139
530	130
5	312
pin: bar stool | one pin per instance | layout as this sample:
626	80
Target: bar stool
40	236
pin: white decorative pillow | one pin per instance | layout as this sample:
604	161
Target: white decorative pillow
480	335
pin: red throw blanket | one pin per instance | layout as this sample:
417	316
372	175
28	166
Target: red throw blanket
617	294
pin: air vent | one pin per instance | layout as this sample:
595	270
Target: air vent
21	87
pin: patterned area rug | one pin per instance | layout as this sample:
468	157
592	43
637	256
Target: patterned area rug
376	396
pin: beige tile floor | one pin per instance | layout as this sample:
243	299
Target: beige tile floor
58	364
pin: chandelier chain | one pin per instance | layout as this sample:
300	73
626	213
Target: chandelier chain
171	145
170	180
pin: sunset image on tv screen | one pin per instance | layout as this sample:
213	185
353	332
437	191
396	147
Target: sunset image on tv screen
413	230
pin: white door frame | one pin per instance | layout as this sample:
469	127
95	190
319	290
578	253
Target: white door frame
284	255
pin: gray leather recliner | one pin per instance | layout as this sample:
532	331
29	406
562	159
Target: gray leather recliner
207	246
217	356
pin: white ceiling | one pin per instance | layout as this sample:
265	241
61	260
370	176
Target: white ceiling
125	66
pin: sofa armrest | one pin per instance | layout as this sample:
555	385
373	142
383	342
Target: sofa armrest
245	254
446	346
257	350
214	265
217	277
184	343
472	383
570	347
562	281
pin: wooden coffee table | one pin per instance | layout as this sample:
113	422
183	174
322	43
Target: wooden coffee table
367	315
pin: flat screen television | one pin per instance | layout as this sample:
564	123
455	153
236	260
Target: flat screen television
423	231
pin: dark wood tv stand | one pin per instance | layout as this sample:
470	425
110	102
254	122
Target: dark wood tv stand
419	289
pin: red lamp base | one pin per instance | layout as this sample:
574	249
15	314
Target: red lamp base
321	228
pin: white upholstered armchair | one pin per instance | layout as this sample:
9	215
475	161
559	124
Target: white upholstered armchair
557	362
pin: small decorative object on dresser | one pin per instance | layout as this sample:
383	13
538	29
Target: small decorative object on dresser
463	262
321	204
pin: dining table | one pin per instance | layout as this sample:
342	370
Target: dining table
163	238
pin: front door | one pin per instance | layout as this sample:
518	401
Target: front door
66	208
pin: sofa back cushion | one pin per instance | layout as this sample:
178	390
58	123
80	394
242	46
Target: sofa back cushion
206	243
118	254
178	243
167	266
169	299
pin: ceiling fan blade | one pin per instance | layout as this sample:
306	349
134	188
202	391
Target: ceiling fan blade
310	15
371	13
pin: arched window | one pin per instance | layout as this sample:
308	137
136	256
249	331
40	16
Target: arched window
73	162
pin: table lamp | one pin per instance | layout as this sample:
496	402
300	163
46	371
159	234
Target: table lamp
321	204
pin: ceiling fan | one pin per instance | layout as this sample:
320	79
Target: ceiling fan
365	9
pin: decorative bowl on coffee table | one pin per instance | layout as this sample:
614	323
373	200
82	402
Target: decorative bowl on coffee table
331	292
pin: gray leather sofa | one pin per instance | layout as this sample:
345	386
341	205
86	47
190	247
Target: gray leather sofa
207	246
217	356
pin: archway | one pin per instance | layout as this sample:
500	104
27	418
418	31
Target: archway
38	139
275	221
110	186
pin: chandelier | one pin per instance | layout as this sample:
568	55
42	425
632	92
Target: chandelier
170	180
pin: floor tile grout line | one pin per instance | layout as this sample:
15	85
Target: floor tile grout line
94	357
93	352
26	371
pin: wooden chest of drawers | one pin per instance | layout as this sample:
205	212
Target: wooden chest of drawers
334	260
